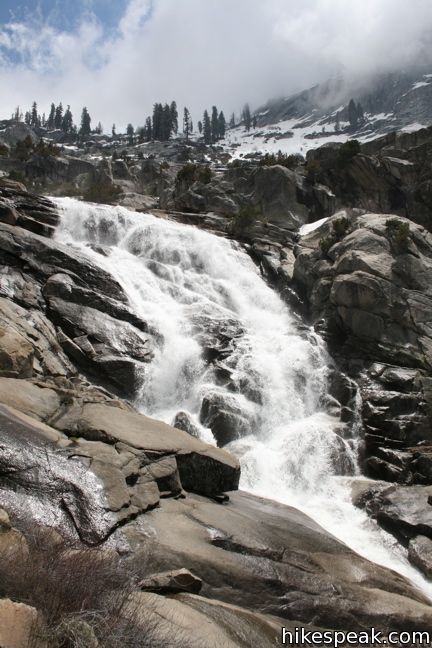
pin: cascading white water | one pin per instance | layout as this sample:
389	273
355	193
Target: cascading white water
188	285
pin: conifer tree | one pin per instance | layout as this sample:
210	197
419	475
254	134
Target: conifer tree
51	117
58	119
157	121
130	131
34	115
174	117
43	121
27	118
166	123
214	124
85	129
360	113
113	131
67	123
99	129
148	129
187	124
221	125
247	117
232	123
207	128
200	127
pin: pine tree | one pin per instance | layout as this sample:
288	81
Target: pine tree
247	117
352	114
174	117
360	113
130	131
215	124
232	123
58	119
99	129
221	125
27	118
67	122
200	127
17	116
187	124
148	129
254	121
44	120
34	115
157	121
207	128
51	118
166	123
85	129
113	131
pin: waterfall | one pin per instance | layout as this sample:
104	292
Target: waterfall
235	363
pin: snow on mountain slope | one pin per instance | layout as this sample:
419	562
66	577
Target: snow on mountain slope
320	115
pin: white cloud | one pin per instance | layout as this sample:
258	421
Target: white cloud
204	52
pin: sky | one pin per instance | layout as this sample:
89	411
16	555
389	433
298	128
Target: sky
118	57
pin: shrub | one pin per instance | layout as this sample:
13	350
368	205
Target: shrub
186	175
47	149
347	152
4	150
83	596
204	174
399	233
102	192
244	220
17	176
312	168
288	161
340	227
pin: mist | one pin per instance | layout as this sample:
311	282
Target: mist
200	53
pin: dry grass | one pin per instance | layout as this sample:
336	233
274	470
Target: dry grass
82	596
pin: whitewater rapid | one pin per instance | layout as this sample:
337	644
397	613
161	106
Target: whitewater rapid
186	283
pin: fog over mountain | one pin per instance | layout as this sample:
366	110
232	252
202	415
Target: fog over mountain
120	62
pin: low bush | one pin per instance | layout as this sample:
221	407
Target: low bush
243	220
340	227
347	152
399	233
102	192
83	596
186	175
283	159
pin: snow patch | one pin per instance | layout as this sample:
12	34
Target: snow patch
310	227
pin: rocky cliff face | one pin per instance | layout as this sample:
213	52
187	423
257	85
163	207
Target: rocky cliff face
76	457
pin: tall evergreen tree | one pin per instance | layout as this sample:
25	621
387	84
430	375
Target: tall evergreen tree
232	123
221	125
99	129
43	120
51	117
215	124
200	127
67	123
58	119
27	118
187	124
130	131
166	123
174	117
360	113
17	115
207	128
148	129
157	121
85	129
34	115
247	117
113	131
